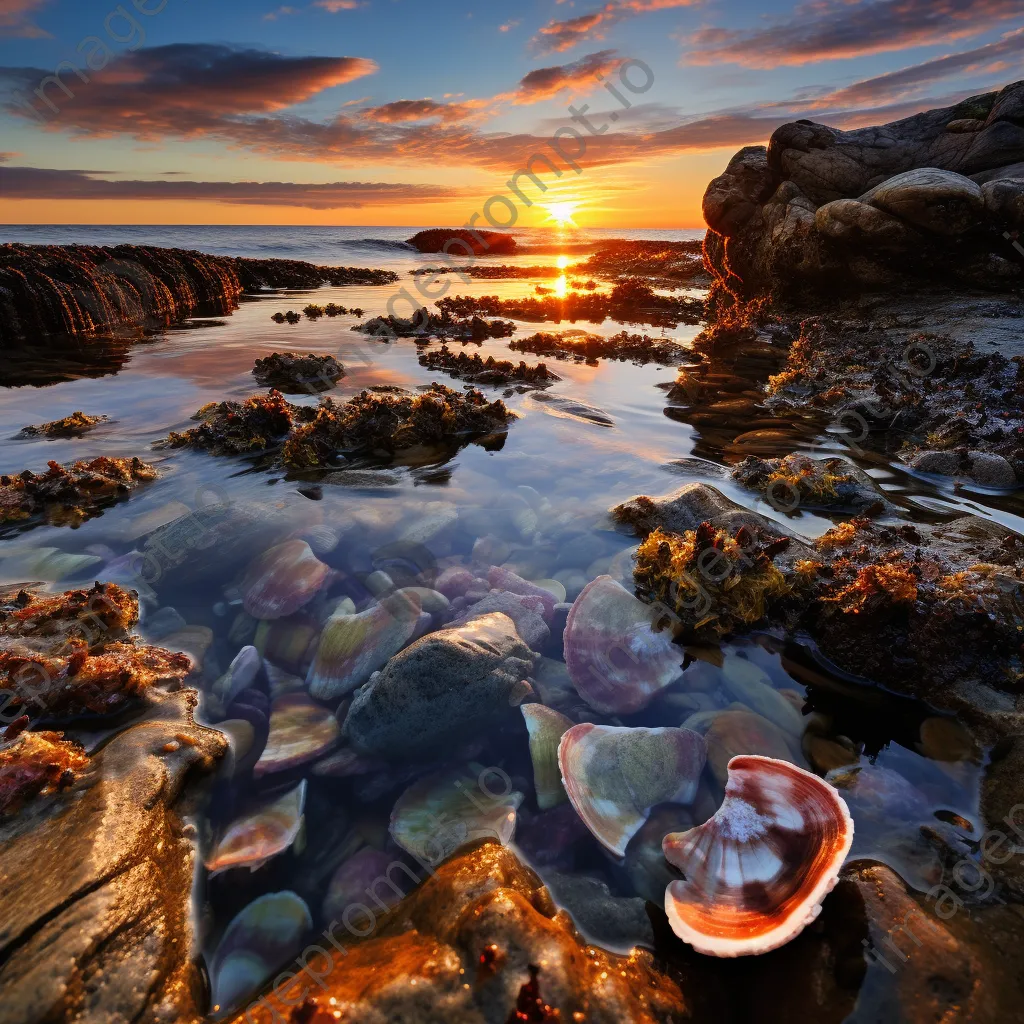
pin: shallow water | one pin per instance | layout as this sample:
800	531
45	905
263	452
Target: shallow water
565	471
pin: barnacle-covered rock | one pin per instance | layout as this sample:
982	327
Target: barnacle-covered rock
69	495
378	423
35	764
295	374
756	872
238	428
75	425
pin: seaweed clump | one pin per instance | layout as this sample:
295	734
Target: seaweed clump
424	324
238	428
35	764
69	495
807	481
713	583
292	373
75	425
638	349
72	653
381	424
496	372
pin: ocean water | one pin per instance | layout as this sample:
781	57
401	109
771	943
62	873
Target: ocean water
537	503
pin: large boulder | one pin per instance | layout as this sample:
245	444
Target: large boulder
825	209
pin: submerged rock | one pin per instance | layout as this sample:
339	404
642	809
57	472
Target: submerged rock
443	687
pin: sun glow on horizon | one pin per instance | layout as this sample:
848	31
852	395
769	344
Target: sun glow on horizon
562	213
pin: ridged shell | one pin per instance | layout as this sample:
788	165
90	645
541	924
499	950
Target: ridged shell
256	943
300	731
282	579
614	775
546	728
757	872
353	647
616	660
253	839
440	813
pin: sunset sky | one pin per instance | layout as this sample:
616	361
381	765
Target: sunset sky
415	113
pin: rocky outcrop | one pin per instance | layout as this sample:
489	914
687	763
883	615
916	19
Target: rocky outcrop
461	242
67	291
929	197
478	943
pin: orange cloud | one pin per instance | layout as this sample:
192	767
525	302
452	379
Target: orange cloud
15	18
557	36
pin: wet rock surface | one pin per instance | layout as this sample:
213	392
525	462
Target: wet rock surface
463	947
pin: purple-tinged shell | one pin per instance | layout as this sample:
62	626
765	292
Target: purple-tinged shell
255	944
282	579
300	731
353	647
757	872
261	834
615	775
616	659
355	882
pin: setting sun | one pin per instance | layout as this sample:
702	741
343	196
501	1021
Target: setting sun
562	213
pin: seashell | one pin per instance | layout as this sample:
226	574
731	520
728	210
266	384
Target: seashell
750	685
261	834
240	675
355	879
353	647
614	775
282	682
734	732
300	731
257	941
503	579
546	728
556	588
288	643
616	660
282	580
757	872
322	540
442	812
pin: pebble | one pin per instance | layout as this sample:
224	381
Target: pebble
580	551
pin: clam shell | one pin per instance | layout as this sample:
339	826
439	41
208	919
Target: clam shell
353	647
256	943
253	839
757	872
616	660
440	813
300	731
546	728
282	580
615	775
738	731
